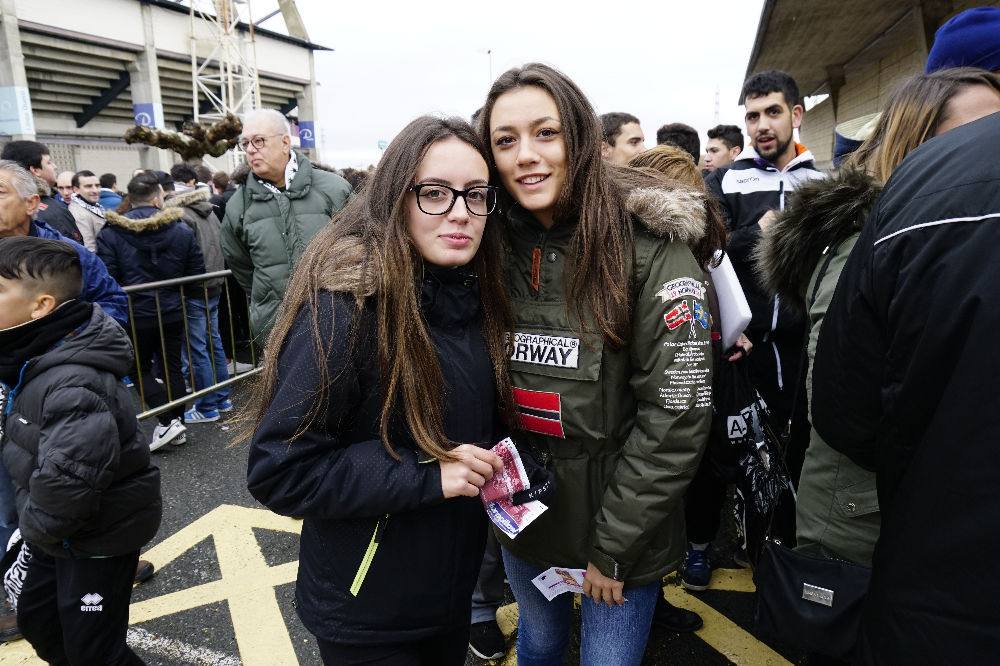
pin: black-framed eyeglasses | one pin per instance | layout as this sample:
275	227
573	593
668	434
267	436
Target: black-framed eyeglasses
436	199
257	142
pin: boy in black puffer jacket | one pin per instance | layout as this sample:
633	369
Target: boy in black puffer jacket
87	496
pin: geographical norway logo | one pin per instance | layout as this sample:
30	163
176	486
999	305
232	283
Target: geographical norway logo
91	603
546	350
540	412
680	288
682	314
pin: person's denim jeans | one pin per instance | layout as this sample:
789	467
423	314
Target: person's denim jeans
609	636
197	318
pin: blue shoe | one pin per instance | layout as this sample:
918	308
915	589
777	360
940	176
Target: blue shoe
194	416
127	381
696	573
226	406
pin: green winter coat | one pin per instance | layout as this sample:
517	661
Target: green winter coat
837	511
264	234
623	429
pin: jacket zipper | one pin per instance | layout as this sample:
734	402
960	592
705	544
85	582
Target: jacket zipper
536	264
777	302
366	561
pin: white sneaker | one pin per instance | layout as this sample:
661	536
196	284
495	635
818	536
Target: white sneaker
238	368
165	433
179	440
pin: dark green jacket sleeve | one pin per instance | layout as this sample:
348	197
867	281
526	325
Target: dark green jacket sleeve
233	245
672	384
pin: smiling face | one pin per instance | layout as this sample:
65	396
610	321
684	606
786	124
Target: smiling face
89	188
529	150
770	123
451	239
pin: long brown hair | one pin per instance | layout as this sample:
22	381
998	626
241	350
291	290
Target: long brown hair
675	164
602	244
913	115
368	251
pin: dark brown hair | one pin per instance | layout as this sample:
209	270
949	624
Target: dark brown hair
369	243
602	244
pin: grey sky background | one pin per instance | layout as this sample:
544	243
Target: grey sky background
661	61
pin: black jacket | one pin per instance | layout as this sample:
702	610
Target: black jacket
147	245
79	462
905	383
53	212
383	557
748	189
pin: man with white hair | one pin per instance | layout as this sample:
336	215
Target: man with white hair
284	202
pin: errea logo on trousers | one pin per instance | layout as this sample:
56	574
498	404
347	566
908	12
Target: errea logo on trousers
91	603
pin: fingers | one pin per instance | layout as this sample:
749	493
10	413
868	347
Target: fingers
617	595
485	456
478	467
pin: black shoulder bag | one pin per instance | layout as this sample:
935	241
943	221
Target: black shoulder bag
809	601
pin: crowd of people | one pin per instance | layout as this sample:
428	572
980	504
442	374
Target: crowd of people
539	275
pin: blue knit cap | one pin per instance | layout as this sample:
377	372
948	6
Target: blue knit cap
970	39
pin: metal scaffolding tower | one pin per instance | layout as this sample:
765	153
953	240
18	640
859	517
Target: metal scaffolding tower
227	76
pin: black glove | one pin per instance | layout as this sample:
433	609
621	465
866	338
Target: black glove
542	481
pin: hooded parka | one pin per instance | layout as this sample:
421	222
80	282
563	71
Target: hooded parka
384	558
78	459
264	233
199	215
622	428
800	259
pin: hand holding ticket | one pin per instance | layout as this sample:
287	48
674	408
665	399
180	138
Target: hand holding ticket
554	581
499	491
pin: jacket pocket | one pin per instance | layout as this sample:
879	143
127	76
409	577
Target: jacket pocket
369	556
557	387
856	500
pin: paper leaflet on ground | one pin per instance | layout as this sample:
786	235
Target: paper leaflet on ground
556	580
497	493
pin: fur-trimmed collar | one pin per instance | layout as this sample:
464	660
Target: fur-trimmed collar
188	198
674	213
819	214
143	224
44	189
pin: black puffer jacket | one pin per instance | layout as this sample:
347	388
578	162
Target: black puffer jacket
148	245
905	383
80	465
384	558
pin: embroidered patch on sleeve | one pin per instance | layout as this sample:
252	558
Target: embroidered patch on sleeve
681	288
540	412
678	316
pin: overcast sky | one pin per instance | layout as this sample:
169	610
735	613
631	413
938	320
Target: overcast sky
659	60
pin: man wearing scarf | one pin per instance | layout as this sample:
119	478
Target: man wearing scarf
85	207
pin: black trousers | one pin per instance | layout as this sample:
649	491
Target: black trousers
444	650
703	503
149	346
75	611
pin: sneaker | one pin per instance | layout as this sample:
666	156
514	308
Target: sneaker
677	620
163	434
127	381
237	368
486	641
194	416
226	406
179	440
144	570
696	573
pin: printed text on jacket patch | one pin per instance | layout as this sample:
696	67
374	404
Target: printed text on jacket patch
546	350
680	288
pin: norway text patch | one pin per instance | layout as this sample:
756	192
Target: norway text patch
681	288
540	411
546	350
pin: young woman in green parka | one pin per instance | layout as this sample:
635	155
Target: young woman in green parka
611	363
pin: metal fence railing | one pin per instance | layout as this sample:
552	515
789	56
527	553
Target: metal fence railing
163	343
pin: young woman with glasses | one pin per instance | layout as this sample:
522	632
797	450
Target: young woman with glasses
379	400
611	363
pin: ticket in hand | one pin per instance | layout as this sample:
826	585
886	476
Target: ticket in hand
556	580
498	492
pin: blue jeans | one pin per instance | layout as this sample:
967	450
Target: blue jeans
197	318
609	636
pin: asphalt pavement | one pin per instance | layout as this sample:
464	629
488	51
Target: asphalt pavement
223	593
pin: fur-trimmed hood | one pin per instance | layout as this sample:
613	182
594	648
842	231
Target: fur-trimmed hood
674	213
189	198
44	189
140	225
819	214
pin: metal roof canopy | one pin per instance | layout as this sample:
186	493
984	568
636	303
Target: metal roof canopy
814	40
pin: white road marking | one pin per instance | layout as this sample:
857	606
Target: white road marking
171	648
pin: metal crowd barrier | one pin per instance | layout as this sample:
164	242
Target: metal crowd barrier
180	284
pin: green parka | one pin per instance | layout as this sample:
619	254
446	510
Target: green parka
264	234
801	257
622	428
